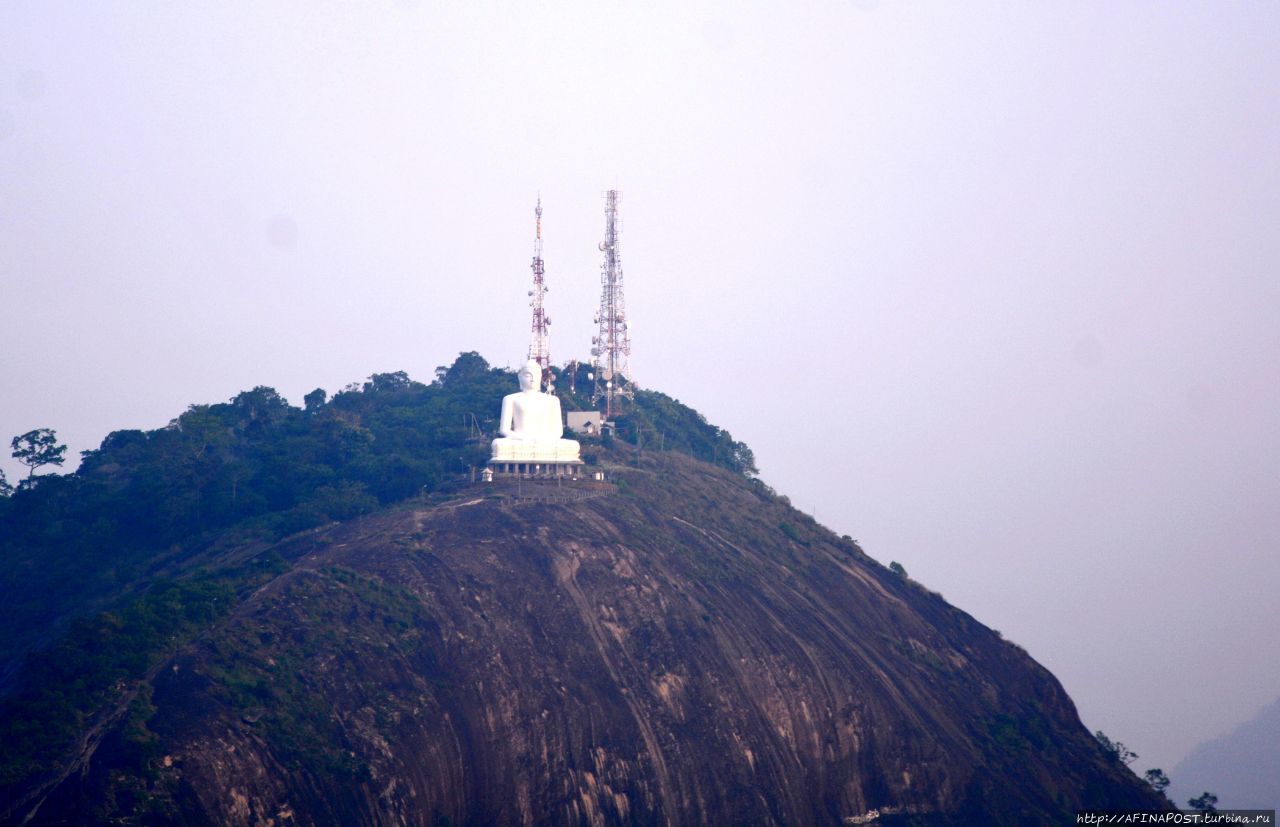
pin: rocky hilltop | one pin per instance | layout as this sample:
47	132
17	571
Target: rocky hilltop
676	645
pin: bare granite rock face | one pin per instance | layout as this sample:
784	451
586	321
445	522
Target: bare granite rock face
678	647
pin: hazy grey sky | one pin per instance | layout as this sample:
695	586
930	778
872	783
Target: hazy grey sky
1005	275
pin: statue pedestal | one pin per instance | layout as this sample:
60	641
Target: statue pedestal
557	458
549	468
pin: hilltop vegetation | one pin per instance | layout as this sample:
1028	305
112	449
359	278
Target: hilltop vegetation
656	421
256	468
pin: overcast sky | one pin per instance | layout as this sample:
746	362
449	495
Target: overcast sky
992	288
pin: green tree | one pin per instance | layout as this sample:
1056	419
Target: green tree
898	569
5	488
203	431
468	366
38	448
1115	749
1205	803
1157	779
387	382
315	400
259	409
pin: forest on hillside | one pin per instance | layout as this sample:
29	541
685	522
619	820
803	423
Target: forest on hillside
104	569
264	469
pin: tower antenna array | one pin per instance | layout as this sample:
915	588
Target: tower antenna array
611	346
540	341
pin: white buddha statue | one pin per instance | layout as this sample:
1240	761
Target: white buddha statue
531	427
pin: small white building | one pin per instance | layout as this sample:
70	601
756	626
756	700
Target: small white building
585	422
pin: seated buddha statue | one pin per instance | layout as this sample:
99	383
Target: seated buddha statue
531	426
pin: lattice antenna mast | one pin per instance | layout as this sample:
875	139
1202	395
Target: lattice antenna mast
540	341
611	347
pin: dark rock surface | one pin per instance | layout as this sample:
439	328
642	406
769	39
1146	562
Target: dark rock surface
680	647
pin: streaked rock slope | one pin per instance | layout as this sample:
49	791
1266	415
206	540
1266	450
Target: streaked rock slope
682	647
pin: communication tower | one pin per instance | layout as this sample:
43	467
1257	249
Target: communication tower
611	346
540	342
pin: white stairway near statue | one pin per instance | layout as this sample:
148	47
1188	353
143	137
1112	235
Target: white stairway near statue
531	432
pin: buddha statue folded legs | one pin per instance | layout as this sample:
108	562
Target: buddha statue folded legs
513	450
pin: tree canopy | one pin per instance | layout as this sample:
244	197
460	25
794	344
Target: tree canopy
1206	802
38	448
1117	750
655	421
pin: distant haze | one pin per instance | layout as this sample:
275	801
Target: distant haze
1242	767
993	288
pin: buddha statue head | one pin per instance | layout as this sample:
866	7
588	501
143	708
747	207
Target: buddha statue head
530	376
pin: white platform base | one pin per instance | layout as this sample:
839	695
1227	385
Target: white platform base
542	468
